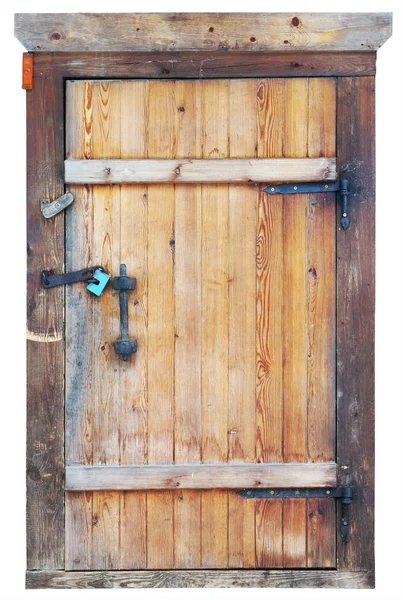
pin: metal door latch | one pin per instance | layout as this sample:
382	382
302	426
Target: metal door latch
50	209
344	494
124	347
95	277
341	186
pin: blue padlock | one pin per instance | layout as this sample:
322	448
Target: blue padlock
98	288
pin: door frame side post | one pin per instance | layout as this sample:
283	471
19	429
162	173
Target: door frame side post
45	327
355	318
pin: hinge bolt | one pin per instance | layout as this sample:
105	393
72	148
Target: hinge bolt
295	187
328	492
272	492
326	187
272	189
345	214
249	493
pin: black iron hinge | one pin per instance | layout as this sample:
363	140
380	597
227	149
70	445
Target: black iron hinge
341	186
344	494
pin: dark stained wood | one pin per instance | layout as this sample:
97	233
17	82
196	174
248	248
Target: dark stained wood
355	318
199	579
203	65
45	346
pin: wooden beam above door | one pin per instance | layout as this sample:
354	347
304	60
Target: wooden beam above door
200	171
199	476
249	32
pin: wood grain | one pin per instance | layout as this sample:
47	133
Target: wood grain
200	476
188	326
200	171
45	330
355	308
161	119
79	331
133	409
202	64
215	322
250	32
201	579
242	320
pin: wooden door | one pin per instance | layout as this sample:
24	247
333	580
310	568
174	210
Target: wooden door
234	313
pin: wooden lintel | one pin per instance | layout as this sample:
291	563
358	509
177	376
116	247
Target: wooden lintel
251	32
202	64
256	578
199	476
200	170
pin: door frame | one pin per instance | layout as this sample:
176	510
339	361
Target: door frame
354	73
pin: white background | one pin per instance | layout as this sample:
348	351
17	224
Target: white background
390	338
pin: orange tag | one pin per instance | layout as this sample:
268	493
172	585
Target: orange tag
27	71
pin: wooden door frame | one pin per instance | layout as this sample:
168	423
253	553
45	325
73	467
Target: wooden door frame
355	306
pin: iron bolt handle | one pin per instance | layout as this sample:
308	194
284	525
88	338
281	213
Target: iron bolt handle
124	346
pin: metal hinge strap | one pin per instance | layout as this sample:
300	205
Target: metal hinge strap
344	494
341	186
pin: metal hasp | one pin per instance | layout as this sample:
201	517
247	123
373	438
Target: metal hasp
49	280
50	209
341	186
124	347
344	494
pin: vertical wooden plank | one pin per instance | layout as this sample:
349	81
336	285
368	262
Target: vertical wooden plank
79	523
321	533
215	232
269	323
242	318
295	320
133	374
106	387
321	117
45	329
294	533
321	322
321	289
79	329
105	531
269	533
355	309
161	144
187	293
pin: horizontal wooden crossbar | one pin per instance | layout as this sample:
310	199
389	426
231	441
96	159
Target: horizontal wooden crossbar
230	578
200	171
198	476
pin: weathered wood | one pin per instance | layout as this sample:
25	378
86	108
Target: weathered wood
200	171
45	330
160	144
200	476
215	323
133	374
242	319
355	323
200	579
203	65
251	32
188	326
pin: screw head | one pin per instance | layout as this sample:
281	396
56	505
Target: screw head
344	522
249	493
328	492
326	187
295	187
57	205
272	492
272	189
345	214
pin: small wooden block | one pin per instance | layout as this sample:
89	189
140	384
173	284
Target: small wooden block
27	71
